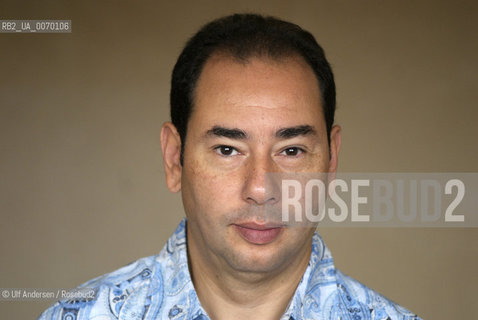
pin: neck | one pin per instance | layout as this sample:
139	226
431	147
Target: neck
224	291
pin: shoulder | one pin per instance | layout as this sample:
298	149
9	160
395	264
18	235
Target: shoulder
106	296
356	297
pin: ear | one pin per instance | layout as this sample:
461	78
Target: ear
335	141
171	148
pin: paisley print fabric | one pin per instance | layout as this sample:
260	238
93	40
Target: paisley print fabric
160	287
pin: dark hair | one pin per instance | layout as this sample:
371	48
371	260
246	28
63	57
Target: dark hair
243	36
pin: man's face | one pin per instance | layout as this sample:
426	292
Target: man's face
250	119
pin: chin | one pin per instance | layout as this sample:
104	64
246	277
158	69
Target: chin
255	260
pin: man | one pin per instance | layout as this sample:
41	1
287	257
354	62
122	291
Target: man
250	96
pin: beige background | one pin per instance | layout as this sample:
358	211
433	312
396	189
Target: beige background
82	187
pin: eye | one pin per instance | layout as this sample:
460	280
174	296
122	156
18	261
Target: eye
292	151
226	151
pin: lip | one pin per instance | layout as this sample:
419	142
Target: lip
258	233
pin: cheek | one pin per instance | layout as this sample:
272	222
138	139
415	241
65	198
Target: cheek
209	193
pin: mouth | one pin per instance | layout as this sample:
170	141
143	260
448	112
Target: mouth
259	234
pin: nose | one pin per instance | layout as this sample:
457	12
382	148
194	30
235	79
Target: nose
259	187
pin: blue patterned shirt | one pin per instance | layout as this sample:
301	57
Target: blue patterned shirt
160	287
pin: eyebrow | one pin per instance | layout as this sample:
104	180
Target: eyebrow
292	132
227	132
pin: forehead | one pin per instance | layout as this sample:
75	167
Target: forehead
223	73
236	91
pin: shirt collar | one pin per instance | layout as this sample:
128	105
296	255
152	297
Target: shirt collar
183	302
317	282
